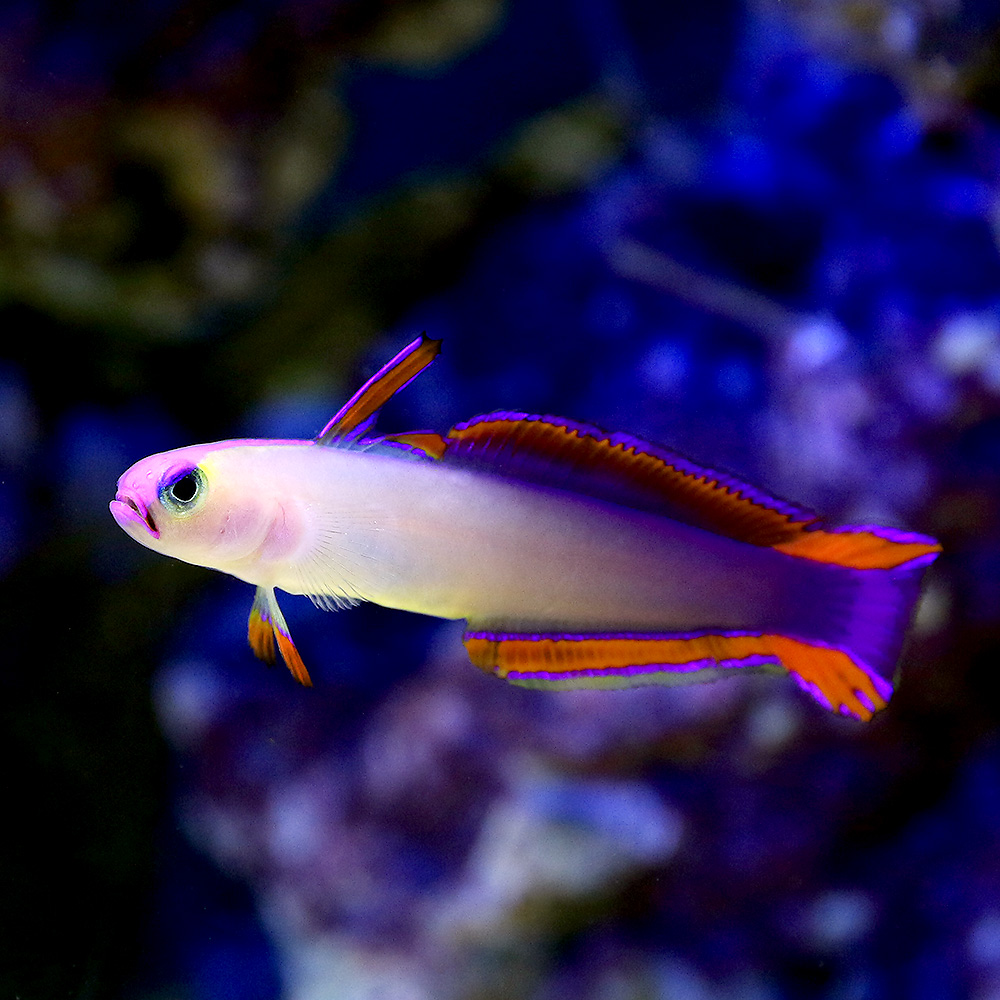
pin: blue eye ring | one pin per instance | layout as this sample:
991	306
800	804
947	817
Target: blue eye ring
182	490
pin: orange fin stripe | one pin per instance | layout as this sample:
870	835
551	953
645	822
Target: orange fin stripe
627	470
834	675
623	469
557	655
292	659
402	369
857	549
828	675
431	444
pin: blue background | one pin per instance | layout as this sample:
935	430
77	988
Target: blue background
763	234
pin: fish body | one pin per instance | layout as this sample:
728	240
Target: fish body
577	557
459	543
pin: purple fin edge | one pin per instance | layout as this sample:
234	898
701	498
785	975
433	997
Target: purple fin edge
324	436
897	535
745	490
884	687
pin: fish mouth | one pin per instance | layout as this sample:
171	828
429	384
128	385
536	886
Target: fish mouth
128	512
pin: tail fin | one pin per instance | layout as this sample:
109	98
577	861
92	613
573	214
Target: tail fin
852	623
839	635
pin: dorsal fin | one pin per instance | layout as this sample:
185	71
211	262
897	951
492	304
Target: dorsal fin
424	444
622	469
358	414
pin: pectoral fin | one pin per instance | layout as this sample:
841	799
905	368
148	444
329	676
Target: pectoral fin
266	626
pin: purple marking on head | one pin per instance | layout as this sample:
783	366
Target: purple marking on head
173	476
128	510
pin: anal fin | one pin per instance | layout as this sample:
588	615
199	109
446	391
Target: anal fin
267	626
620	660
614	660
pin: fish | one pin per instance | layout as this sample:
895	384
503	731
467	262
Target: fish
577	557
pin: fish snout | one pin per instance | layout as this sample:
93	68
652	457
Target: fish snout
131	512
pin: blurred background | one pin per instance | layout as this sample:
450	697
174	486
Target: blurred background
763	232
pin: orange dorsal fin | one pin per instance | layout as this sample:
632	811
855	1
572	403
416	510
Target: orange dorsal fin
425	443
623	469
626	470
358	414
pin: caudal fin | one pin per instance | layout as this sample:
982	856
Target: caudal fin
847	630
840	639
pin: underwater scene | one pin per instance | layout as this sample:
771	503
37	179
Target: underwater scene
764	235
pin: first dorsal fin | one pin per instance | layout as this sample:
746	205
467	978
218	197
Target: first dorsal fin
626	470
358	414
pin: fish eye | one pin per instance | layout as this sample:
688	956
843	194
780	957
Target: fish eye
184	490
181	492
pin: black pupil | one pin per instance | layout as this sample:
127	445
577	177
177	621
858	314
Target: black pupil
185	488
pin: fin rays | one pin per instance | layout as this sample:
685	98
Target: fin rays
358	414
623	469
562	661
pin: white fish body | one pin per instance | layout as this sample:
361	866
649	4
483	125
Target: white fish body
458	543
579	558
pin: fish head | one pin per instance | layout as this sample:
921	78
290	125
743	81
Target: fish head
190	505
